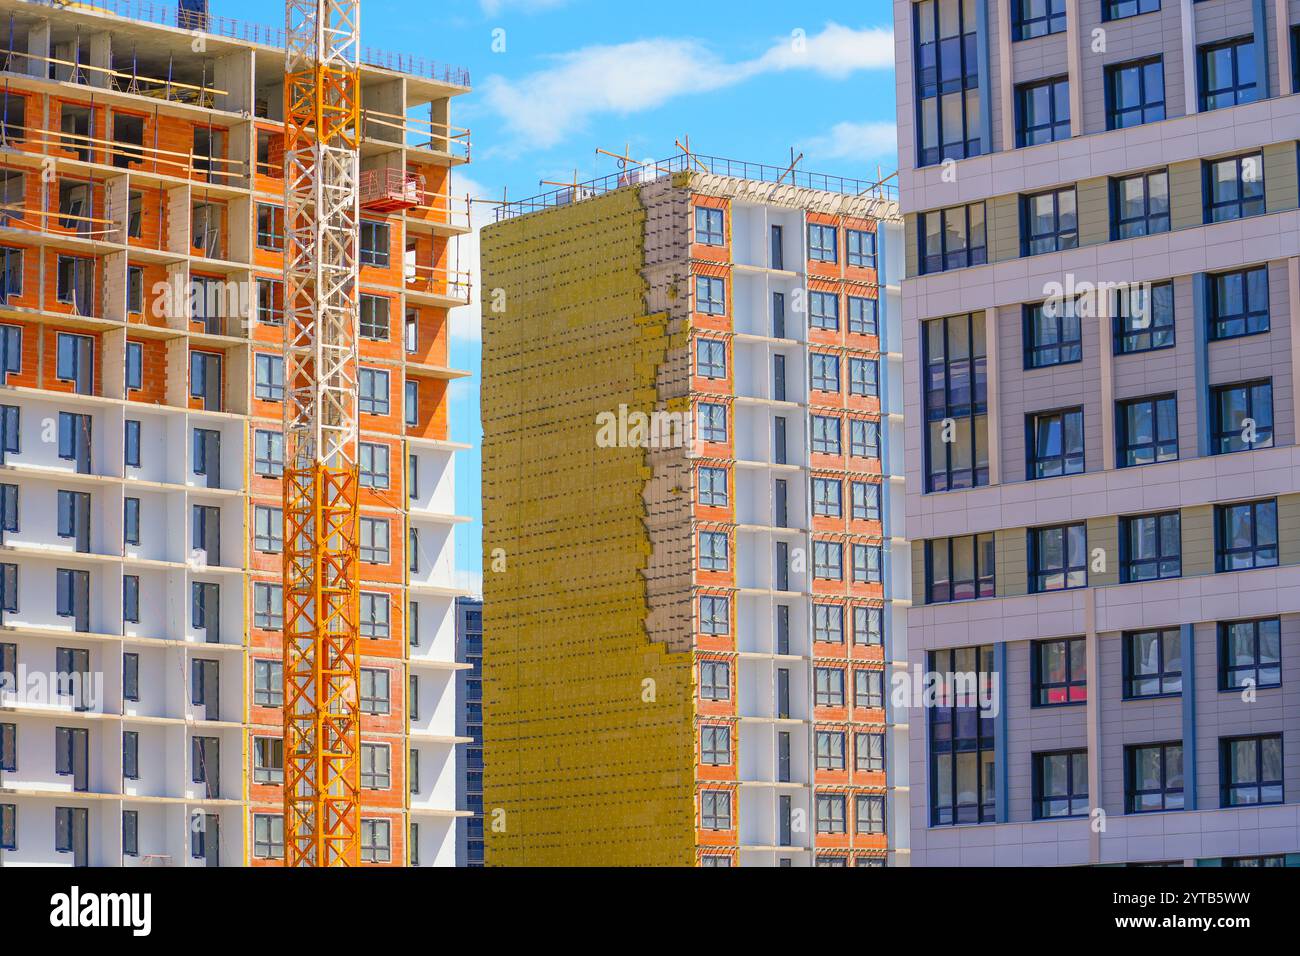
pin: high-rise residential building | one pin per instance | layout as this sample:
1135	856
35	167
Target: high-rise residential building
1101	344
691	465
140	410
469	725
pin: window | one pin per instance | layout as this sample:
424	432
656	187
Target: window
715	746
713	486
869	752
376	773
268	760
1241	417
709	226
1153	777
715	810
1058	558
374	391
715	680
1042	111
1147	430
962	776
869	689
1119	9
866	564
1144	318
1253	861
268	683
1036	18
131	754
268	529
131	676
1226	73
1238	303
959	569
373	464
828	686
1135	93
828	623
825	371
374	317
270	302
866	501
710	295
374	690
374	615
130	832
374	244
713	551
1234	187
412	403
828	557
1140	205
868	626
826	497
131	520
825	435
711	358
1250	654
374	547
268	836
205	379
270	227
830	813
1153	663
715	615
829	750
268	606
268	453
413	697
1055	444
712	421
74	359
860	248
9	748
1060	672
863	374
131	443
1061	784
1049	222
1250	769
269	376
947	80
864	316
75	284
823	243
376	845
952	238
956	405
1151	547
823	310
1245	535
134	366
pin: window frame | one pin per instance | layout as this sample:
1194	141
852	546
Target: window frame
1027	135
1164	677
1128	526
1222	515
1038	573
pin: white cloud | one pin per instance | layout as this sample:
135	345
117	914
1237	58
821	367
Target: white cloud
545	107
870	140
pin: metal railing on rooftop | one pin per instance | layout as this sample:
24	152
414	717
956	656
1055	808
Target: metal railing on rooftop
166	14
716	165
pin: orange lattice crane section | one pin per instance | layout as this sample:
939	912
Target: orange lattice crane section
322	731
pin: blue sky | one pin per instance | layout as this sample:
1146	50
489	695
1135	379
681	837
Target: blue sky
555	79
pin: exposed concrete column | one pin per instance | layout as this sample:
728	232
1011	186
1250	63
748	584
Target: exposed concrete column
38	46
100	55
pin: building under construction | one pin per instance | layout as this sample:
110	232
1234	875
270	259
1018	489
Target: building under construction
142	304
691	458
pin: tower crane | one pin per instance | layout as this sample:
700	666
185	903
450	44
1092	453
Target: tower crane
322	740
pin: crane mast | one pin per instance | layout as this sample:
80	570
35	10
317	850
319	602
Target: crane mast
321	672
